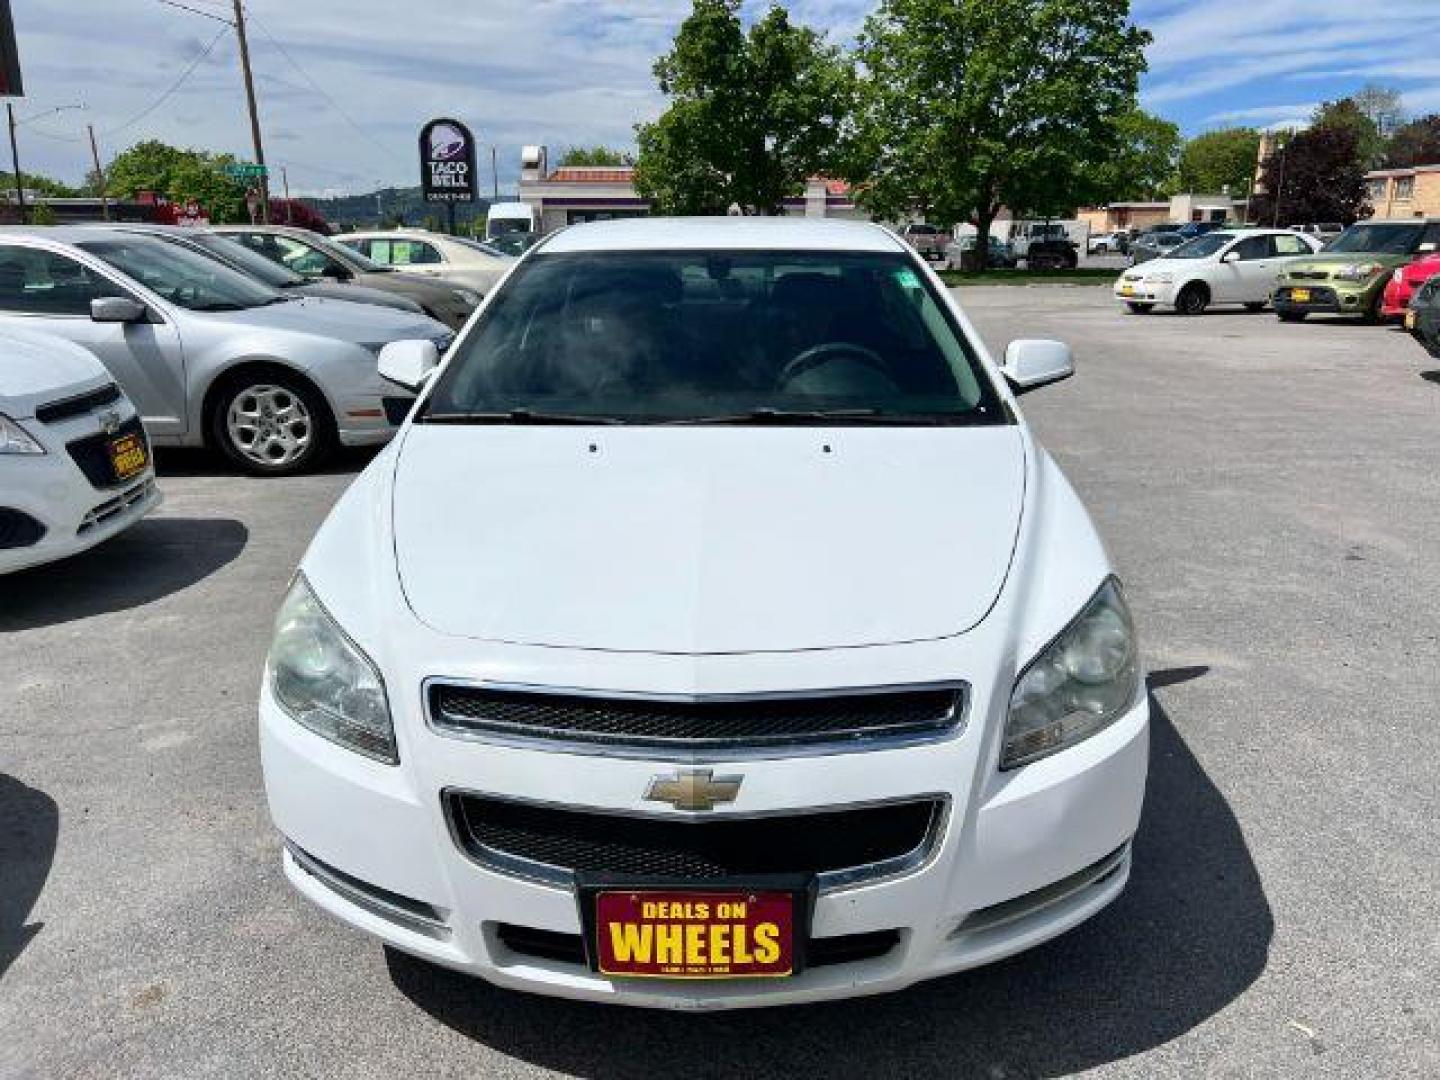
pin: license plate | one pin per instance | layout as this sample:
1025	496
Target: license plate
1127	290
128	456
680	934
1410	320
1300	296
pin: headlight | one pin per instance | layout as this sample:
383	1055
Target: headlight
324	682
14	439
1080	683
1357	271
468	297
1160	279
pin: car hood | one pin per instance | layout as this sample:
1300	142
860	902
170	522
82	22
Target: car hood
705	540
355	294
361	324
420	288
39	369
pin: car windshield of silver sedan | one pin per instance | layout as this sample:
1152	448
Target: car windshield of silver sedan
1202	247
182	276
716	337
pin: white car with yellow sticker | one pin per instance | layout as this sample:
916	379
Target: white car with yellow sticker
714	634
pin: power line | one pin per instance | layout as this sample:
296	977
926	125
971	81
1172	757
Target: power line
320	89
184	75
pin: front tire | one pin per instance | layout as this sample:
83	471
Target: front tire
272	423
1193	300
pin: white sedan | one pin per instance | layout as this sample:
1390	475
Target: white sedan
457	260
1233	266
714	634
74	461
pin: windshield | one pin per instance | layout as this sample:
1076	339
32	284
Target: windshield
345	254
1202	247
498	226
181	275
242	258
514	243
1393	239
740	337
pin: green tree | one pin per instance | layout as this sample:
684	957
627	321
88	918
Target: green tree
594	155
1384	105
1346	113
1415	143
179	175
1143	165
42	185
971	105
1220	161
751	116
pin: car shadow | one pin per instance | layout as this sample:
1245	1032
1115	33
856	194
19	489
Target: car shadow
150	560
1431	376
29	825
1188	935
198	461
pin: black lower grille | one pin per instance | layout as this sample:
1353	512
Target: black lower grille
819	952
553	842
93	456
78	405
706	723
18	529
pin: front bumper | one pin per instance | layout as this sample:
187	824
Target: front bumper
1145	292
1396	299
1023	856
1330	297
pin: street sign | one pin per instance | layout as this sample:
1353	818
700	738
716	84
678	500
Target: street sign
447	162
245	170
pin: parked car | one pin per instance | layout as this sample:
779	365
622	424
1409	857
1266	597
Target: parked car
1153	245
457	260
515	637
1051	254
211	356
928	240
318	258
1191	229
247	261
1108	243
1423	317
1044	239
1349	275
1233	267
1324	231
1000	253
1403	284
75	465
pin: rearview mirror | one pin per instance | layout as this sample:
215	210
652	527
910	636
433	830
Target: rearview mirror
1031	363
117	309
409	364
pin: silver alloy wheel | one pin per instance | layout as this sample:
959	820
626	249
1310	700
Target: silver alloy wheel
270	425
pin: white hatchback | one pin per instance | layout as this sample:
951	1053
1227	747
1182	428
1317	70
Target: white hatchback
1230	266
714	634
74	461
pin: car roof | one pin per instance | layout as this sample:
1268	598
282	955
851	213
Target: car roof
722	233
65	234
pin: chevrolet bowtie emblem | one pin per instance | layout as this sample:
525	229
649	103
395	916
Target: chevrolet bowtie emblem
693	789
109	421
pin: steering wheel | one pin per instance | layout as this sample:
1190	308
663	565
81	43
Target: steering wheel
827	352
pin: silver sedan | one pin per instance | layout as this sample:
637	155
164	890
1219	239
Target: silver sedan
211	356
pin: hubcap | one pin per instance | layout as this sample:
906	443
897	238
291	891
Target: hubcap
270	425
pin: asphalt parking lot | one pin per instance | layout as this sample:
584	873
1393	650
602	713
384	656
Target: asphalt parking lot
1271	495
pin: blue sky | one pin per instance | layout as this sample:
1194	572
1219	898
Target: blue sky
345	84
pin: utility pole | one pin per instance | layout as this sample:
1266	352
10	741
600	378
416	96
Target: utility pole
289	209
254	113
99	173
494	173
15	162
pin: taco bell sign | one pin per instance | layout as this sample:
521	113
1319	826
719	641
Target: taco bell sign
447	162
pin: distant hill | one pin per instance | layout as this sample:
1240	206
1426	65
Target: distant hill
395	206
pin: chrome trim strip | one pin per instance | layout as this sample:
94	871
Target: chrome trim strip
349	889
913	861
657	751
1047	896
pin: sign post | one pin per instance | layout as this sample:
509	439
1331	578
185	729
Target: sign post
447	165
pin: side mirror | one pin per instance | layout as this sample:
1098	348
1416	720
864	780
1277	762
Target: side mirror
1031	363
409	364
117	309
1230	256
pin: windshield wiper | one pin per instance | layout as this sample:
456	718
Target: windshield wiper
768	415
516	416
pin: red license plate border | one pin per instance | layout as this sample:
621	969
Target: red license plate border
803	889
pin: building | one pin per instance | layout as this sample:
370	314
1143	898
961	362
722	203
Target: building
1401	193
1119	216
570	194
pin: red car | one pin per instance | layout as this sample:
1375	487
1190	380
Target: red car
1404	282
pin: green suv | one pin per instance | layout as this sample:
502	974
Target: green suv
1348	276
